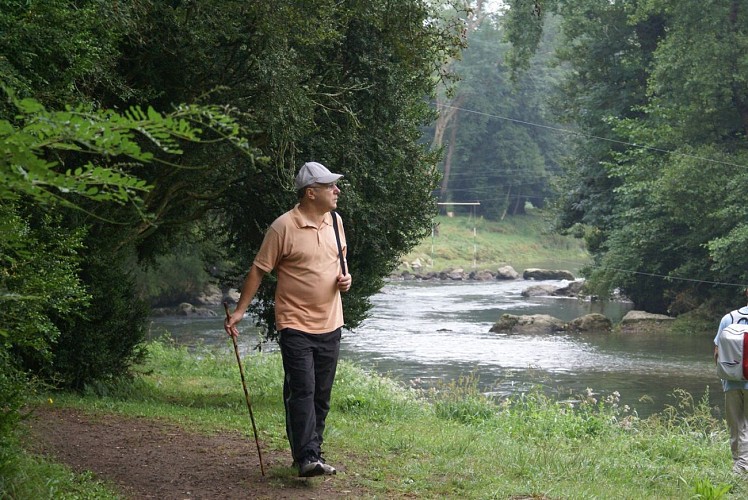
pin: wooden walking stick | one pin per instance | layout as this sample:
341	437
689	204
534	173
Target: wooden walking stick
246	393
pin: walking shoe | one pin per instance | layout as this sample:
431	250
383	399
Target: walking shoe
329	470
740	469
310	467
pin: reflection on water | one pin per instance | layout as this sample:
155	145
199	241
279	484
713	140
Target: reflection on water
432	332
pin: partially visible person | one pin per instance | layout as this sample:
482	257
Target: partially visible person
301	248
736	400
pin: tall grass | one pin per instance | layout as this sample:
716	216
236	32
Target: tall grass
446	442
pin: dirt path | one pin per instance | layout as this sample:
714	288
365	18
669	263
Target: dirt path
146	458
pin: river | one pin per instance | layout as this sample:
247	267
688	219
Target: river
426	333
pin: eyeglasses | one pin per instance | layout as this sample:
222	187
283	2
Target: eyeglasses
329	187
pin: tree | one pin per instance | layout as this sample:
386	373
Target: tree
659	90
499	157
447	103
48	300
353	99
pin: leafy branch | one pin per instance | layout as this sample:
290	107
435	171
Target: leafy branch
31	166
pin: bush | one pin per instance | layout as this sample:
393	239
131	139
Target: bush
13	386
461	400
108	339
38	279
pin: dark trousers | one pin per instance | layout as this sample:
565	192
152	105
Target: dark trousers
309	364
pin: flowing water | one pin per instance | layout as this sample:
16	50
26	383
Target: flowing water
426	333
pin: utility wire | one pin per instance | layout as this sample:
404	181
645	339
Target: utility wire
616	141
591	136
655	275
675	278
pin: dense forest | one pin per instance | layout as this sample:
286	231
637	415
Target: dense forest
627	120
139	135
496	124
658	93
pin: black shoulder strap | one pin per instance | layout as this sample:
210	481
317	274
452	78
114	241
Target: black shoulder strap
337	240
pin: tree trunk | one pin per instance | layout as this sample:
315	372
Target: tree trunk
448	159
506	202
519	206
446	114
447	110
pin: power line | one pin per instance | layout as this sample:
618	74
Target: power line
591	136
675	278
663	276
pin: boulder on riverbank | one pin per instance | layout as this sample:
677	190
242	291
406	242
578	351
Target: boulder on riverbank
547	274
506	273
573	289
543	324
453	274
416	272
528	324
644	322
214	296
187	309
633	322
594	322
481	276
412	272
538	291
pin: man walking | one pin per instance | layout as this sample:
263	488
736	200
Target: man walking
301	247
736	400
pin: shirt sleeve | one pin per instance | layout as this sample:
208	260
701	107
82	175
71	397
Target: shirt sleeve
270	250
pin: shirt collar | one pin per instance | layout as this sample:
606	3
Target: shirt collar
302	221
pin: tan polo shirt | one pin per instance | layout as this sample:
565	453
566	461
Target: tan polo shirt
306	261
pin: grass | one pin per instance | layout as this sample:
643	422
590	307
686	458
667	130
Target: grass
448	442
36	478
521	241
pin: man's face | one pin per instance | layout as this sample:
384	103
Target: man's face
326	195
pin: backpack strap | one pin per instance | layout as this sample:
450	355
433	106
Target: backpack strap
340	248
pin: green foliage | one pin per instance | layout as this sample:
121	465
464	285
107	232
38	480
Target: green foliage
350	94
26	476
525	21
13	387
41	278
58	52
36	134
57	153
503	179
655	88
584	416
106	339
342	83
39	262
460	400
706	490
370	396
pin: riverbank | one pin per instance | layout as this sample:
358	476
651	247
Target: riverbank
388	440
477	244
